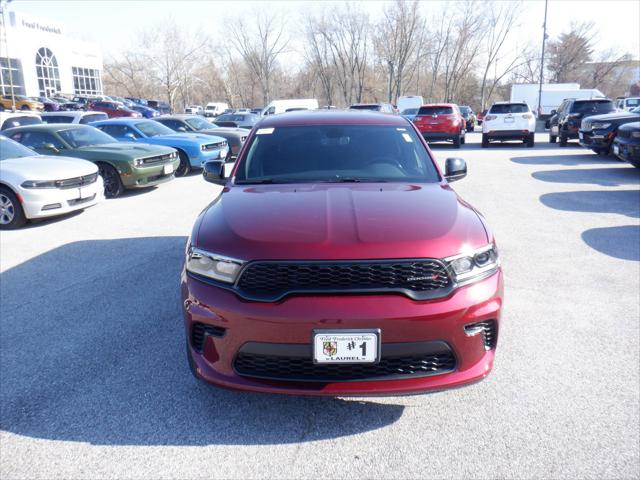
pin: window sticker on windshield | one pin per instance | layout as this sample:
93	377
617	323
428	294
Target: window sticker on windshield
407	138
401	129
265	131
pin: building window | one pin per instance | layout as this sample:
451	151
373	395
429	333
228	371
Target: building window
11	76
47	72
86	81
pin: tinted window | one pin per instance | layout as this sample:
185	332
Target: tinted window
633	102
435	110
11	149
199	124
328	153
375	108
409	111
36	139
56	119
152	129
85	136
19	121
93	117
118	130
172	124
509	108
593	106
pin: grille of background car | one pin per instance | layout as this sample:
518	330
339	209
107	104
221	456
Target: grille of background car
273	280
77	181
213	146
157	159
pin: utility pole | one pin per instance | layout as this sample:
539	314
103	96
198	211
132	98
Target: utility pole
544	38
3	4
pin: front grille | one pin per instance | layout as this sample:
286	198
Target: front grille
212	146
77	181
418	279
586	125
200	330
157	159
624	133
302	369
78	201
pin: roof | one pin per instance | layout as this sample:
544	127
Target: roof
331	117
48	127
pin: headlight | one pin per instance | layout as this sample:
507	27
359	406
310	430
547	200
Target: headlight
39	184
212	265
635	134
473	266
139	162
488	118
600	125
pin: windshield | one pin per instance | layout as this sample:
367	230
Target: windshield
435	111
409	111
604	106
502	108
10	149
153	129
199	123
336	153
85	136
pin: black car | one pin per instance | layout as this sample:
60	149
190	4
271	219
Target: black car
565	122
66	104
598	131
626	145
469	117
162	107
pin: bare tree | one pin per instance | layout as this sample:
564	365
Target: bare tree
399	36
318	55
260	47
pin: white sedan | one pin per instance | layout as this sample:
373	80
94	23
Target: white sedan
36	186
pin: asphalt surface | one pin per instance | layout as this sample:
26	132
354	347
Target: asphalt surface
95	384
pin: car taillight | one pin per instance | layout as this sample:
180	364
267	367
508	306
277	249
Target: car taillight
527	116
490	117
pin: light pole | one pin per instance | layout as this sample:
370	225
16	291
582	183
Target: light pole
544	38
3	4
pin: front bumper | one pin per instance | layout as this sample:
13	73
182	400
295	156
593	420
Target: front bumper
595	138
47	202
439	136
292	320
627	151
149	176
198	159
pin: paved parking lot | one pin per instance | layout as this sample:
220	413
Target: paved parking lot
95	384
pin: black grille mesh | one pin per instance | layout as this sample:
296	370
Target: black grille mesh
489	334
303	369
200	330
274	279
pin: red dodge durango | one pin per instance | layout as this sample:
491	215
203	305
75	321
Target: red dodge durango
338	261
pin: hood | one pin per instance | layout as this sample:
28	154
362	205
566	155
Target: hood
626	116
335	221
45	167
194	137
132	149
241	132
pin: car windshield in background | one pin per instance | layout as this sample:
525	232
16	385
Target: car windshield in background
85	137
509	108
94	117
153	129
409	111
466	110
56	119
435	110
20	121
10	149
230	117
336	153
591	106
199	123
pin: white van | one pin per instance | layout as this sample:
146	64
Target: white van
282	106
409	101
213	109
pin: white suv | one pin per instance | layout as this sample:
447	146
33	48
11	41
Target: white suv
509	121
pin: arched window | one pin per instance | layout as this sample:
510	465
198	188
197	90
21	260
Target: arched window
47	71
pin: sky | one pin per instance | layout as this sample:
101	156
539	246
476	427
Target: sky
114	23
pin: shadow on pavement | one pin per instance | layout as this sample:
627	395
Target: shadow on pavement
560	159
610	177
92	350
618	242
624	202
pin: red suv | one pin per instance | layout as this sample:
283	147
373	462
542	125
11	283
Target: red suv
114	110
338	261
443	121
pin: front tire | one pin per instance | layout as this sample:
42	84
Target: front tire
112	182
563	139
485	140
184	167
11	212
553	138
463	137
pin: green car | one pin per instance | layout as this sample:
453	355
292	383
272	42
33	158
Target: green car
121	165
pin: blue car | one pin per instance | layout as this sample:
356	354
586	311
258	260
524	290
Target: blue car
145	111
194	149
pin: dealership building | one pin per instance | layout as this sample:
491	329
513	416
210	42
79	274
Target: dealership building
39	58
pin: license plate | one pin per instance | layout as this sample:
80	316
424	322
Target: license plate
616	150
509	120
168	169
580	135
346	346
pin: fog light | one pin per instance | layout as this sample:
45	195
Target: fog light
462	265
52	206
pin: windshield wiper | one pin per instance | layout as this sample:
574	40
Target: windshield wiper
339	179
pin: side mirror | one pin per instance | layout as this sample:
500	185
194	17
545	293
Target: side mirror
182	129
213	172
130	137
455	169
51	147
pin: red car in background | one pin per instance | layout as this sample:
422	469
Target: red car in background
480	116
441	122
338	260
114	110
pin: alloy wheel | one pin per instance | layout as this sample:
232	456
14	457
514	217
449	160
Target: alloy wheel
7	210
